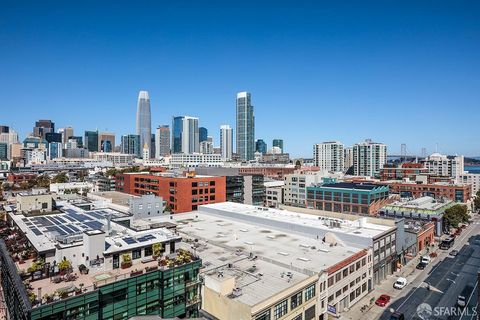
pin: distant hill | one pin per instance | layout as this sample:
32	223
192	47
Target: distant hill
475	160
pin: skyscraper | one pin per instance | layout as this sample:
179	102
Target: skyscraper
260	146
278	143
329	156
10	138
91	141
202	134
131	144
144	122
226	141
42	127
66	132
185	137
106	141
162	141
368	158
245	127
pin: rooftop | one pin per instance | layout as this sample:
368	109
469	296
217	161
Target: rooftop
353	185
420	205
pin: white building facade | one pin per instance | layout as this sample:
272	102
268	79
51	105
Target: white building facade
368	158
226	141
329	156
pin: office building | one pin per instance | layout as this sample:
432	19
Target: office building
420	209
442	165
295	189
182	193
91	141
472	179
226	142
131	144
77	139
279	245
162	141
9	138
113	272
3	151
356	198
144	122
369	158
193	160
55	150
53	137
279	144
42	127
438	190
260	146
405	170
106	141
202	134
245	127
4	129
329	156
185	136
115	158
274	191
240	188
66	133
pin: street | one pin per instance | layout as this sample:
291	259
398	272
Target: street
448	278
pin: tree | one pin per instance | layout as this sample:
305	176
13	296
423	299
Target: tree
60	178
42	181
455	215
476	201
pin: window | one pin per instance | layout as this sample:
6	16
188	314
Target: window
212	190
364	262
280	309
338	293
296	300
299	317
310	313
352	268
310	292
212	183
148	251
136	254
345	272
265	315
338	277
194	191
331	281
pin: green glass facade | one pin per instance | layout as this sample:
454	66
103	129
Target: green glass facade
169	293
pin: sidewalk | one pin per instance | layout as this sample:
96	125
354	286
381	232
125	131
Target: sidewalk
386	287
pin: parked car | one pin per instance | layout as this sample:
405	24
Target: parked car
400	283
421	266
397	316
426	259
453	253
461	301
383	300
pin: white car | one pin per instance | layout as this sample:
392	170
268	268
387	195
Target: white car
400	283
461	301
426	259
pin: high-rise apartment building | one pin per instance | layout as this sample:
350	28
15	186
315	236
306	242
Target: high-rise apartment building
91	141
131	144
329	156
278	143
226	141
42	127
245	127
206	147
368	158
185	136
162	141
106	141
144	122
202	134
260	146
443	165
348	158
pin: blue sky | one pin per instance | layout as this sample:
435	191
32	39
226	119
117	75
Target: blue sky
394	71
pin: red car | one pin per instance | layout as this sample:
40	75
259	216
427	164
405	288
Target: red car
383	300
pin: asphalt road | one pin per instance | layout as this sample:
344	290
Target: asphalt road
448	277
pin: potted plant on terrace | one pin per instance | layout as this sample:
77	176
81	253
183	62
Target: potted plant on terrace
157	250
64	266
126	261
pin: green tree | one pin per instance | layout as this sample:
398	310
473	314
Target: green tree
60	178
42	181
476	201
455	215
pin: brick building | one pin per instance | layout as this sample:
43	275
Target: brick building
182	193
454	192
405	170
272	172
363	198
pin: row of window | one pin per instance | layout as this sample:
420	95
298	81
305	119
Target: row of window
281	308
346	271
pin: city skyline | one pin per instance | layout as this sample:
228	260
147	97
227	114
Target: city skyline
359	68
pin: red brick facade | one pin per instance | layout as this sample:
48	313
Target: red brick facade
183	194
454	192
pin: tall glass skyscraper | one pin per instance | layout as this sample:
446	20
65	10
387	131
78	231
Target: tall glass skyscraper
185	135
261	146
226	141
245	127
131	144
144	122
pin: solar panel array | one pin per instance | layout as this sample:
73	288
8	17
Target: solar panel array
68	223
